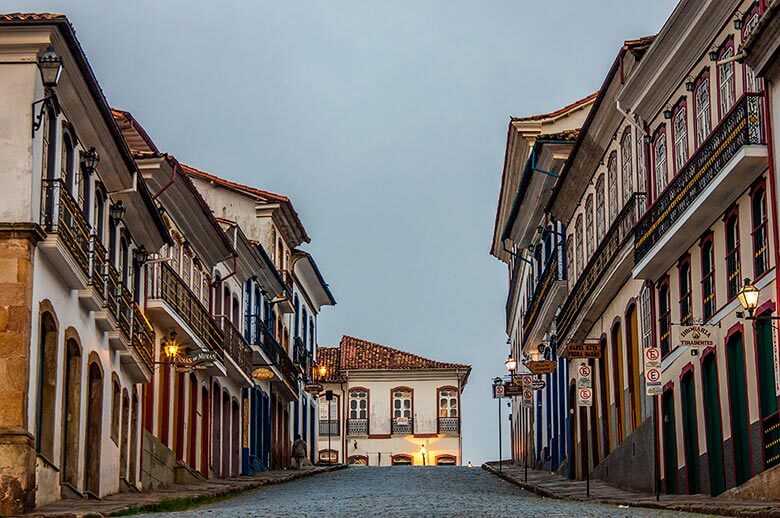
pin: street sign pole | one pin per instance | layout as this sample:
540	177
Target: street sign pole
527	433
500	452
655	449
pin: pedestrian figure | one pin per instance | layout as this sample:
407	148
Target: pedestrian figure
298	452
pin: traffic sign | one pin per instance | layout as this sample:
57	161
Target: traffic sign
527	380
652	357
584	397
653	375
498	391
528	397
584	373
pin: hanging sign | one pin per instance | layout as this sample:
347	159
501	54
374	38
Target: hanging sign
583	350
696	336
263	374
528	397
538	385
312	388
652	358
584	373
584	396
541	366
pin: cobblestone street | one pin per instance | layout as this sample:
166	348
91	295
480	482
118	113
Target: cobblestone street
405	491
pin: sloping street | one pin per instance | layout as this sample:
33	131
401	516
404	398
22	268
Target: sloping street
405	491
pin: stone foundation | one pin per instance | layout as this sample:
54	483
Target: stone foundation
158	463
631	465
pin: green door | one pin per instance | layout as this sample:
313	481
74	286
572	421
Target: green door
690	433
670	442
713	425
739	411
766	368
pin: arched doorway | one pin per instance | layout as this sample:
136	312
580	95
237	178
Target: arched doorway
401	460
134	424
739	407
670	441
690	432
226	435
632	359
216	420
72	417
192	422
235	445
604	398
572	432
765	357
713	423
124	445
616	355
94	432
47	386
205	428
358	460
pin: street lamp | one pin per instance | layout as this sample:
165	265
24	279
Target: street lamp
423	452
171	346
118	210
91	159
511	365
322	371
50	67
497	382
748	297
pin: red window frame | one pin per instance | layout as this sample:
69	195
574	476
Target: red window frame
681	105
708	300
725	47
733	276
760	228
686	290
664	315
704	76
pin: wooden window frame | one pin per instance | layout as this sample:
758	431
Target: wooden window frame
702	79
626	163
679	161
708	300
756	190
659	137
686	297
664	317
731	293
726	47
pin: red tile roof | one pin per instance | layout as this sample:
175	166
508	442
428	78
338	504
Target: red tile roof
244	189
30	17
559	111
329	357
359	354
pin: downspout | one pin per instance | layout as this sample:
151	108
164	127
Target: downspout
629	118
343	425
772	180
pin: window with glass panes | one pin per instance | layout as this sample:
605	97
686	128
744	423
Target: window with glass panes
703	116
664	316
589	241
625	157
760	251
600	223
708	278
612	179
402	403
578	244
680	138
733	275
358	404
660	164
686	307
641	174
726	82
186	266
752	83
448	403
647	317
570	271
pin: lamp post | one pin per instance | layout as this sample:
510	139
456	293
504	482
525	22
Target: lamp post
50	68
423	452
748	298
496	383
171	347
511	366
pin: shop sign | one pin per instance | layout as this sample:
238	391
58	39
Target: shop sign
696	336
203	357
541	366
263	374
583	350
313	388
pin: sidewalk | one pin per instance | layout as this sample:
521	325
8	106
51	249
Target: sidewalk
550	485
183	495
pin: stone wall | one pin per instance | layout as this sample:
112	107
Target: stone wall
764	486
17	451
631	465
158	463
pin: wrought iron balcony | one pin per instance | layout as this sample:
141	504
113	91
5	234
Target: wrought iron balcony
235	347
621	230
264	338
329	428
62	217
357	427
166	286
125	314
551	274
771	440
402	426
741	127
98	267
449	425
514	285
143	337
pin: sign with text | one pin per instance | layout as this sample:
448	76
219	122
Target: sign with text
584	396
697	336
583	350
538	385
652	358
541	366
584	376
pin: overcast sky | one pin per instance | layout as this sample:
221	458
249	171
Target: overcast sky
384	122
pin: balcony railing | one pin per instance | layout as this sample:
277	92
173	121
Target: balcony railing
61	215
402	426
771	432
143	337
619	232
741	127
125	313
358	427
264	338
449	425
329	428
235	346
98	266
112	291
514	285
550	275
166	285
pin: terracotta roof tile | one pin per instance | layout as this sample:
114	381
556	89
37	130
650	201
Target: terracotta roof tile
559	111
358	354
245	189
329	357
30	17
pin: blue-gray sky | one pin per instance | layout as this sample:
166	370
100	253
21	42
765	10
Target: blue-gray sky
385	122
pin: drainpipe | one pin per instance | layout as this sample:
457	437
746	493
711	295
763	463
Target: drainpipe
629	118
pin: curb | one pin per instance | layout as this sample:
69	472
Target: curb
771	509
192	501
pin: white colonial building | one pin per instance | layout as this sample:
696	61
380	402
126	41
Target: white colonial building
384	407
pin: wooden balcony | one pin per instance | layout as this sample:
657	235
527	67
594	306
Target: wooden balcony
607	270
236	350
170	299
93	297
67	243
262	337
731	158
139	358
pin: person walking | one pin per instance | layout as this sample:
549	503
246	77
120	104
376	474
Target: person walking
299	449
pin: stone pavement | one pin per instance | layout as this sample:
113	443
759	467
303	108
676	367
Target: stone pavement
122	503
550	485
